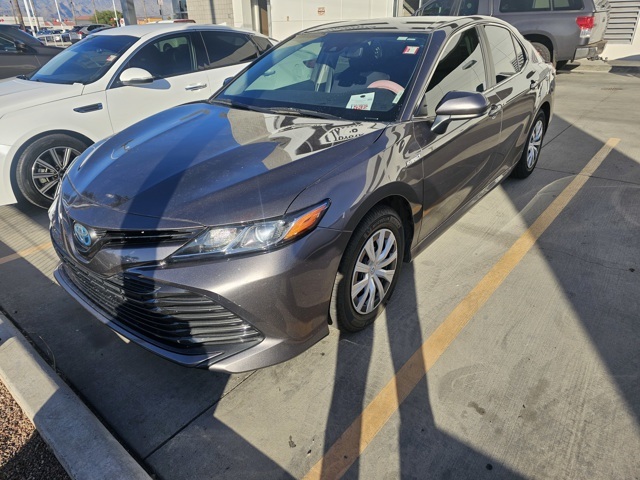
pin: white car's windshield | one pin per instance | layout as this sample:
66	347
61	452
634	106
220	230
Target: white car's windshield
350	75
86	61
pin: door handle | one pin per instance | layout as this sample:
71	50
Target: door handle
533	85
495	110
195	86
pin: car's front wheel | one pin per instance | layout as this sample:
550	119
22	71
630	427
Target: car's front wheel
42	164
369	270
531	153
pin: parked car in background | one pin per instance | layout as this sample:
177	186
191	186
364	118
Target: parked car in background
20	53
221	234
103	84
561	30
79	32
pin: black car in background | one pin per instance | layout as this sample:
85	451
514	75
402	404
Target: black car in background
20	53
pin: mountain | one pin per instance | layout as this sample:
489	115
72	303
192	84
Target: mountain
47	8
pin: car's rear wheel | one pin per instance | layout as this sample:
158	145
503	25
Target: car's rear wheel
42	164
369	270
531	153
543	50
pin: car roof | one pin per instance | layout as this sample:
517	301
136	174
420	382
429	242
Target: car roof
161	28
403	24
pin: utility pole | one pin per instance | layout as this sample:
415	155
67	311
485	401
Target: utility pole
144	7
95	12
73	10
35	15
58	9
29	17
19	11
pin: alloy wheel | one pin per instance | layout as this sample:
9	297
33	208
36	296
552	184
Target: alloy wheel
48	168
535	143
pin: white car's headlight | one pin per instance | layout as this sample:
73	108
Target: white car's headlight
254	237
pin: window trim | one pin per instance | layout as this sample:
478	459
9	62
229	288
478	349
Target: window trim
490	55
242	34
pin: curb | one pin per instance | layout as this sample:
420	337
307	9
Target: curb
84	447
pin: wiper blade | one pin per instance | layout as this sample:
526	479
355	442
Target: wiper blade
232	104
303	112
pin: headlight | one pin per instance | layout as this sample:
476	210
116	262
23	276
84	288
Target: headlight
255	237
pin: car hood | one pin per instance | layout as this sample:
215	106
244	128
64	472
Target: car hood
17	94
211	165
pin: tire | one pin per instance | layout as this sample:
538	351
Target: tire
379	229
531	153
42	164
543	50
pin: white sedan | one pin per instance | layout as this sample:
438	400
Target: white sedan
102	85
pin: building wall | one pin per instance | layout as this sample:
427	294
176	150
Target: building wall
211	11
291	16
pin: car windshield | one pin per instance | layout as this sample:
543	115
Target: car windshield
351	75
85	62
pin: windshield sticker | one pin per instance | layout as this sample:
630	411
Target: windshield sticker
398	96
361	102
111	58
401	38
410	50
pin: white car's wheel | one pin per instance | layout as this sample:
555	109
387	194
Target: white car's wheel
42	164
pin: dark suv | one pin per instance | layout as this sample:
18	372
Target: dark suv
21	53
561	30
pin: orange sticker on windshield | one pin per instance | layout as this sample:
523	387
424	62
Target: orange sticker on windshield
410	50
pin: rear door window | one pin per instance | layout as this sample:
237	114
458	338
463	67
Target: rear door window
262	43
511	6
437	8
568	5
503	53
226	48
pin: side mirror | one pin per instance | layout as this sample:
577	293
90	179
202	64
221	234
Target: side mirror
135	76
459	106
226	80
21	47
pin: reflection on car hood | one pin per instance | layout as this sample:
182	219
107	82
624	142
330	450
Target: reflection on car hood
16	94
213	165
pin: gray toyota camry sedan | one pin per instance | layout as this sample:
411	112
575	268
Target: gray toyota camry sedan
229	234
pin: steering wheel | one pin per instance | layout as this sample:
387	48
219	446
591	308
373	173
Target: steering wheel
387	85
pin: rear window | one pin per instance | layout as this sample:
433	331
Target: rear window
568	5
511	6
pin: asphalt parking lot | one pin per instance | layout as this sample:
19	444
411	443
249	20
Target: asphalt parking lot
511	348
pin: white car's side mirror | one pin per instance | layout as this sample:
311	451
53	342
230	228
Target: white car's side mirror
135	76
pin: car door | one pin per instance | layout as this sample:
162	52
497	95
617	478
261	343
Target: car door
176	62
15	61
458	163
517	88
228	52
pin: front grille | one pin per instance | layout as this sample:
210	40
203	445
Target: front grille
142	237
169	315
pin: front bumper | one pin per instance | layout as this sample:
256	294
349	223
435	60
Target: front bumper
591	50
283	295
6	191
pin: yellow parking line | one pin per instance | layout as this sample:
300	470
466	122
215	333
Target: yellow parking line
25	252
363	430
